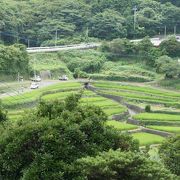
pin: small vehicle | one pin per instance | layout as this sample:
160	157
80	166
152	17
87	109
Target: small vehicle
63	78
34	85
36	79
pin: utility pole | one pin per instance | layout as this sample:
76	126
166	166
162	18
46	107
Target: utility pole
87	34
18	82
165	31
135	11
175	30
56	37
18	77
34	68
28	43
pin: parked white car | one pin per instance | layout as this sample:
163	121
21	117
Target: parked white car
34	85
63	78
36	79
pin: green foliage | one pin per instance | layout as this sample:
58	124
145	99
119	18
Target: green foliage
148	139
50	62
148	108
107	25
121	165
143	50
170	154
170	83
48	141
39	21
172	129
119	47
157	116
3	114
122	126
80	74
89	61
31	98
16	57
171	47
168	66
140	93
119	77
69	40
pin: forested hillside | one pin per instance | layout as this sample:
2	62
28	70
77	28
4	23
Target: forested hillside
37	22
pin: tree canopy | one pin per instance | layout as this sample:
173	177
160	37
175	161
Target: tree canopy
170	153
35	22
13	60
47	142
121	165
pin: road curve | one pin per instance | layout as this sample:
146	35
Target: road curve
155	42
63	48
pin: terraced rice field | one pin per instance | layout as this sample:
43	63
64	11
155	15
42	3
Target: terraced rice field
157	117
148	139
171	129
165	103
110	107
122	126
130	93
35	95
60	91
140	93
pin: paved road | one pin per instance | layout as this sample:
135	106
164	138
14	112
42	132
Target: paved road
155	41
63	48
23	89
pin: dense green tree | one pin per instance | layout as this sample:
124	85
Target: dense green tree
170	153
119	47
107	25
90	61
38	21
3	114
121	165
175	2
168	66
171	46
14	59
149	17
46	147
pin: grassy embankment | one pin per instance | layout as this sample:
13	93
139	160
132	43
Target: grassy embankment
49	61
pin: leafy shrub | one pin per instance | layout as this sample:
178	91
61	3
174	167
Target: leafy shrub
47	142
120	165
89	61
171	46
168	66
80	74
3	114
68	41
147	108
170	154
14	59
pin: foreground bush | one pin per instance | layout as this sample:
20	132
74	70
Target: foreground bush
119	165
3	114
47	142
170	153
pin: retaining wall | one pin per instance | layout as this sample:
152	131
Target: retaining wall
153	131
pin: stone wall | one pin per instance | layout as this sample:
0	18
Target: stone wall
153	131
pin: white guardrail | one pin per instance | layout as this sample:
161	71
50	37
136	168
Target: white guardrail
155	41
61	48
